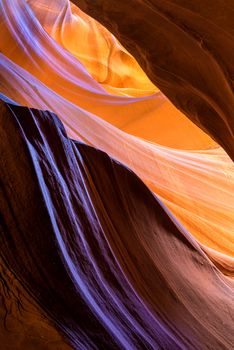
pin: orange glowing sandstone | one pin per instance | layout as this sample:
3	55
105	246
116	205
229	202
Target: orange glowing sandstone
77	69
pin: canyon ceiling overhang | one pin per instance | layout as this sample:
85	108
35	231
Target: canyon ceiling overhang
186	48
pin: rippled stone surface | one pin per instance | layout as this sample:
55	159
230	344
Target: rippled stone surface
98	251
116	209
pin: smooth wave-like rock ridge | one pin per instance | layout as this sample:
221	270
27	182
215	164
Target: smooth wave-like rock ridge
97	251
90	258
183	166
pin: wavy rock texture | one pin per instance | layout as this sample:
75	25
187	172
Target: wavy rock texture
43	74
73	233
87	251
115	70
186	48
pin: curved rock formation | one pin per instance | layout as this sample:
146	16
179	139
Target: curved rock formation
188	182
139	108
186	48
90	257
131	276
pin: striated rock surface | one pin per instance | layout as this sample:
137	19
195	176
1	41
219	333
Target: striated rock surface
90	257
188	171
97	251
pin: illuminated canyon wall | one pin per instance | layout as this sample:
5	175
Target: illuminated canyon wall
117	198
186	48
